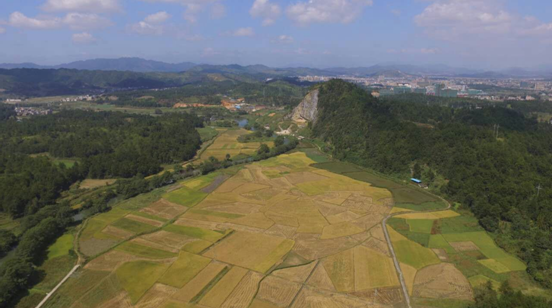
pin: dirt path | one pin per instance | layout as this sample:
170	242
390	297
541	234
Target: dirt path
57	286
393	254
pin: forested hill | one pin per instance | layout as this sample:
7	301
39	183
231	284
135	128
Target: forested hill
496	176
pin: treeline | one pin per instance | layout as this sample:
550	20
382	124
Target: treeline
41	229
105	145
210	92
487	297
493	172
409	105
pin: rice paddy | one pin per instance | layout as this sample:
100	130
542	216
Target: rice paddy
276	233
451	255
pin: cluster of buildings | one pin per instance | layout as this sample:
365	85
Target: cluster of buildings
498	88
438	89
239	104
79	98
31	111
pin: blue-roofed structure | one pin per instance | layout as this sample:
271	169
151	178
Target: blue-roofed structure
416	180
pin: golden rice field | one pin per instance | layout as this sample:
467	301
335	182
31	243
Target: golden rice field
226	143
301	237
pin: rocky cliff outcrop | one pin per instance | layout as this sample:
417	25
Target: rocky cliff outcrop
306	111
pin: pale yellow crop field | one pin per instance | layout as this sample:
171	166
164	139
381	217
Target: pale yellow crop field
278	233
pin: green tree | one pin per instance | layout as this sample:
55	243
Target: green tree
417	171
263	149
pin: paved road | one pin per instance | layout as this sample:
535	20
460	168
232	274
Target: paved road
391	248
59	285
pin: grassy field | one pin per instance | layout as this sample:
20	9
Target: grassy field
455	239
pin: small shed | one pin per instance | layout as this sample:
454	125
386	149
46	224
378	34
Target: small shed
418	181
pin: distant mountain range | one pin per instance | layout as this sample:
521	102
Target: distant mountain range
261	71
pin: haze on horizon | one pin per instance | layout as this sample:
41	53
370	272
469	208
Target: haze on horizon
480	34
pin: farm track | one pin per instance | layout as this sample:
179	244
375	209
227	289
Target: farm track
57	286
393	254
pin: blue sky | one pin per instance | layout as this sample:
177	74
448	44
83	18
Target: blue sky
488	34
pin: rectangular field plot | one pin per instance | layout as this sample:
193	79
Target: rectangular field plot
488	248
258	252
144	251
138	276
217	295
132	225
195	232
184	269
192	289
420	225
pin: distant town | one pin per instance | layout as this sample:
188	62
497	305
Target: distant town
500	89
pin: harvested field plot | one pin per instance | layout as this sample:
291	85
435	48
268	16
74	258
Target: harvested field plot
144	251
164	209
281	233
254	251
138	276
192	289
184	269
442	281
217	295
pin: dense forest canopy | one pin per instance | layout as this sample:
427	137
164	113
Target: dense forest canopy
493	172
104	144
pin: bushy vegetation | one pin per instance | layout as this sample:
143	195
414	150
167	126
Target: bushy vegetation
487	297
106	144
496	178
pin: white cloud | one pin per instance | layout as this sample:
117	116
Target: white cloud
78	21
243	32
19	20
210	52
91	6
75	21
396	12
266	10
157	18
83	38
2	30
327	11
453	19
217	11
284	39
151	25
194	7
